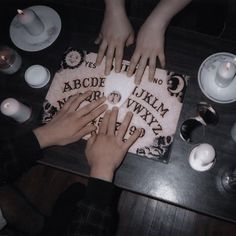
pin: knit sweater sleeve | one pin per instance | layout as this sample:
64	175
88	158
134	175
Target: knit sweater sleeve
17	155
97	213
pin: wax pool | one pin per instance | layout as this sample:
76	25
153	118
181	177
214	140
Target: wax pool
225	74
10	60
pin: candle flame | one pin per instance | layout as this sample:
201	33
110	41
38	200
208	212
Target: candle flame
20	11
3	58
7	105
228	65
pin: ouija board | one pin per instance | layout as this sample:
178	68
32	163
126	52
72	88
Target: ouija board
156	105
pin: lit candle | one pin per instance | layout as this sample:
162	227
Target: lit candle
10	60
225	74
30	21
18	111
37	76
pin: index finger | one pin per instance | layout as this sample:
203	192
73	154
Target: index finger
124	125
104	124
161	57
74	102
101	52
133	63
118	57
152	68
91	106
141	69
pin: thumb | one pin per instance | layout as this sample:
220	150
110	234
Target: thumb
161	57
98	39
130	40
92	138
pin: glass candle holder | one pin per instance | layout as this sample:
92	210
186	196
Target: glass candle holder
10	60
233	132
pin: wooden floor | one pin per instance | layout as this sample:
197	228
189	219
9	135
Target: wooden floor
139	215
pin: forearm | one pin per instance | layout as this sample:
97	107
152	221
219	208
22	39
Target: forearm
110	4
166	10
115	8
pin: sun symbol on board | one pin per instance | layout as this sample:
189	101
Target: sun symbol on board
73	58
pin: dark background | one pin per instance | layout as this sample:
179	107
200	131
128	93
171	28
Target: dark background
185	51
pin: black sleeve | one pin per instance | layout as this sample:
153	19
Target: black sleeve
17	155
97	213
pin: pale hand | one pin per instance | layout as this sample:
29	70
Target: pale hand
116	33
106	150
149	46
71	123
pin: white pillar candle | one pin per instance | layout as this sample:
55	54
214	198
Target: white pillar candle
37	76
30	21
233	132
225	74
18	111
10	60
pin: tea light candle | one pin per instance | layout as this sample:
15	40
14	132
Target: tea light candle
10	60
18	111
225	74
30	21
37	76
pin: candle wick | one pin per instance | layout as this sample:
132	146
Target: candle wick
7	105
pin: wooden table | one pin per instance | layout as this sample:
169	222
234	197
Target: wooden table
174	182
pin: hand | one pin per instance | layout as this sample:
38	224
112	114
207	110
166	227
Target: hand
71	123
116	32
151	37
106	150
149	46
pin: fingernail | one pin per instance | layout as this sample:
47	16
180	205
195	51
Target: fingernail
117	70
140	132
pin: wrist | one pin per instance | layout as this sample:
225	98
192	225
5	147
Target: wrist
117	6
42	137
102	173
157	21
116	3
